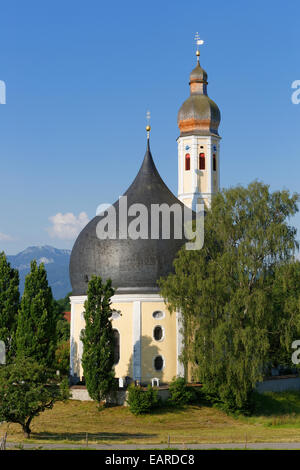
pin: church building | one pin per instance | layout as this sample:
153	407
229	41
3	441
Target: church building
148	339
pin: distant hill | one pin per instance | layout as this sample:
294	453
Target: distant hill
56	263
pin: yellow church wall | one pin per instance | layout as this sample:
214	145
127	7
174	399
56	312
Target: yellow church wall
187	201
202	181
187	180
215	175
135	325
202	150
215	182
79	323
124	326
150	348
187	174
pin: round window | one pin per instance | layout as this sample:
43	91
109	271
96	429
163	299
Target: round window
158	314
158	363
158	333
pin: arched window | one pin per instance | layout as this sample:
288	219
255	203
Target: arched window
158	363
116	346
214	162
187	162
202	161
158	333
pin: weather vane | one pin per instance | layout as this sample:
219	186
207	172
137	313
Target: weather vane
148	127
199	42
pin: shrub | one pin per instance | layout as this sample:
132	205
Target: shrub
142	401
211	396
180	393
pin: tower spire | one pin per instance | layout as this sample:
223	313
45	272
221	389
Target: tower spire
198	143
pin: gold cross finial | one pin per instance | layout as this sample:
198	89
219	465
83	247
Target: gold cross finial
199	42
148	127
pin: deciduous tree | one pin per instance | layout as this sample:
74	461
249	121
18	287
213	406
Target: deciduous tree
226	290
26	390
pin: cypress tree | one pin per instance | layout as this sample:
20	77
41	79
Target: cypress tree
9	304
36	329
97	339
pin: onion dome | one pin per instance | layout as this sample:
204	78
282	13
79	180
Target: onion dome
133	265
199	115
198	75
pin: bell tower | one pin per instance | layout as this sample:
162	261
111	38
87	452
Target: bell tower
199	142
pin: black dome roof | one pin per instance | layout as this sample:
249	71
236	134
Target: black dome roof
134	266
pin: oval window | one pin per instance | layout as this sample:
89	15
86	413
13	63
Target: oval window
158	333
158	314
158	363
115	314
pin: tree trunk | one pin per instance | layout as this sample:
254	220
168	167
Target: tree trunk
26	430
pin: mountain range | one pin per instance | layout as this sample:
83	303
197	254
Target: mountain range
56	262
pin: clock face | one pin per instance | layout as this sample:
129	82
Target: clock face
187	147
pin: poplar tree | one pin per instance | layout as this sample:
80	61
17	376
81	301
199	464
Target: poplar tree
9	304
226	291
97	339
36	328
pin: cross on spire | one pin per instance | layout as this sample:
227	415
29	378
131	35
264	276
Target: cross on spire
199	42
148	127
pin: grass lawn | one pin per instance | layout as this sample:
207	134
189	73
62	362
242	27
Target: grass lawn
277	420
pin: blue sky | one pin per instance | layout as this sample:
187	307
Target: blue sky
80	77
